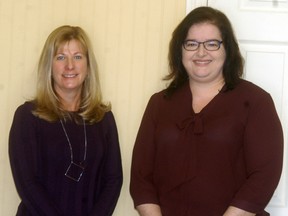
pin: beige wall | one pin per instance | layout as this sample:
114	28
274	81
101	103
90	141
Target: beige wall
130	39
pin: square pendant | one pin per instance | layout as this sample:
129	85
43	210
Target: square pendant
74	171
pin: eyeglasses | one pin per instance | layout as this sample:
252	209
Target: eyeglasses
210	45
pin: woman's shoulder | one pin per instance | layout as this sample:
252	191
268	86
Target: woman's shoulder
108	119
26	107
24	112
250	86
251	89
108	116
181	91
159	94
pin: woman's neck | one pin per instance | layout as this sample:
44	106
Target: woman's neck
205	89
203	93
70	101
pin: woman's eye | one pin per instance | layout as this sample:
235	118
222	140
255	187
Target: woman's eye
212	44
60	57
192	44
78	57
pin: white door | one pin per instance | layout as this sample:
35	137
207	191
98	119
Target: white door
261	27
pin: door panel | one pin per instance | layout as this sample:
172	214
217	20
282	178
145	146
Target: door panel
262	30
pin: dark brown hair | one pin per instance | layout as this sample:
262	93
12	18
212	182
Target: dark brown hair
233	65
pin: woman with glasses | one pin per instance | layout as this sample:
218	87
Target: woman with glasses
63	145
211	143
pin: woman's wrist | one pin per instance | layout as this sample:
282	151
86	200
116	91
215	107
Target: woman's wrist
149	209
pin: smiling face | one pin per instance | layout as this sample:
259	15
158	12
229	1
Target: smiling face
69	68
202	65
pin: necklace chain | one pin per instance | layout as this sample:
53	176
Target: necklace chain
74	165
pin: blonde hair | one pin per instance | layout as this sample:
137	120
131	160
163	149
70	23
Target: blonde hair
48	106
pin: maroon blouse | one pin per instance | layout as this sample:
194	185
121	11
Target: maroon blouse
200	163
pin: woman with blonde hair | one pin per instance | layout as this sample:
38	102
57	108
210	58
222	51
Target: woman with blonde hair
63	145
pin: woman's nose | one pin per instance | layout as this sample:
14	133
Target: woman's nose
201	50
70	63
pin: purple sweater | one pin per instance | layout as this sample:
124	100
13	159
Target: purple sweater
199	164
40	155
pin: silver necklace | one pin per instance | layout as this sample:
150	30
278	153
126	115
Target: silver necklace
74	170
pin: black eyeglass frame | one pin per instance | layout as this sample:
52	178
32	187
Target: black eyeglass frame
205	43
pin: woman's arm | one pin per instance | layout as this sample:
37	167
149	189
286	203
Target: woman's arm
112	176
233	211
149	210
142	187
23	155
263	154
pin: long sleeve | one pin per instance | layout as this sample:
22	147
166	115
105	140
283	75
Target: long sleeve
142	186
112	178
263	152
23	158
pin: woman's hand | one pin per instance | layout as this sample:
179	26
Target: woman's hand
149	210
233	211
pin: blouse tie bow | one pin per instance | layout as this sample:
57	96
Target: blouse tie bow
191	129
